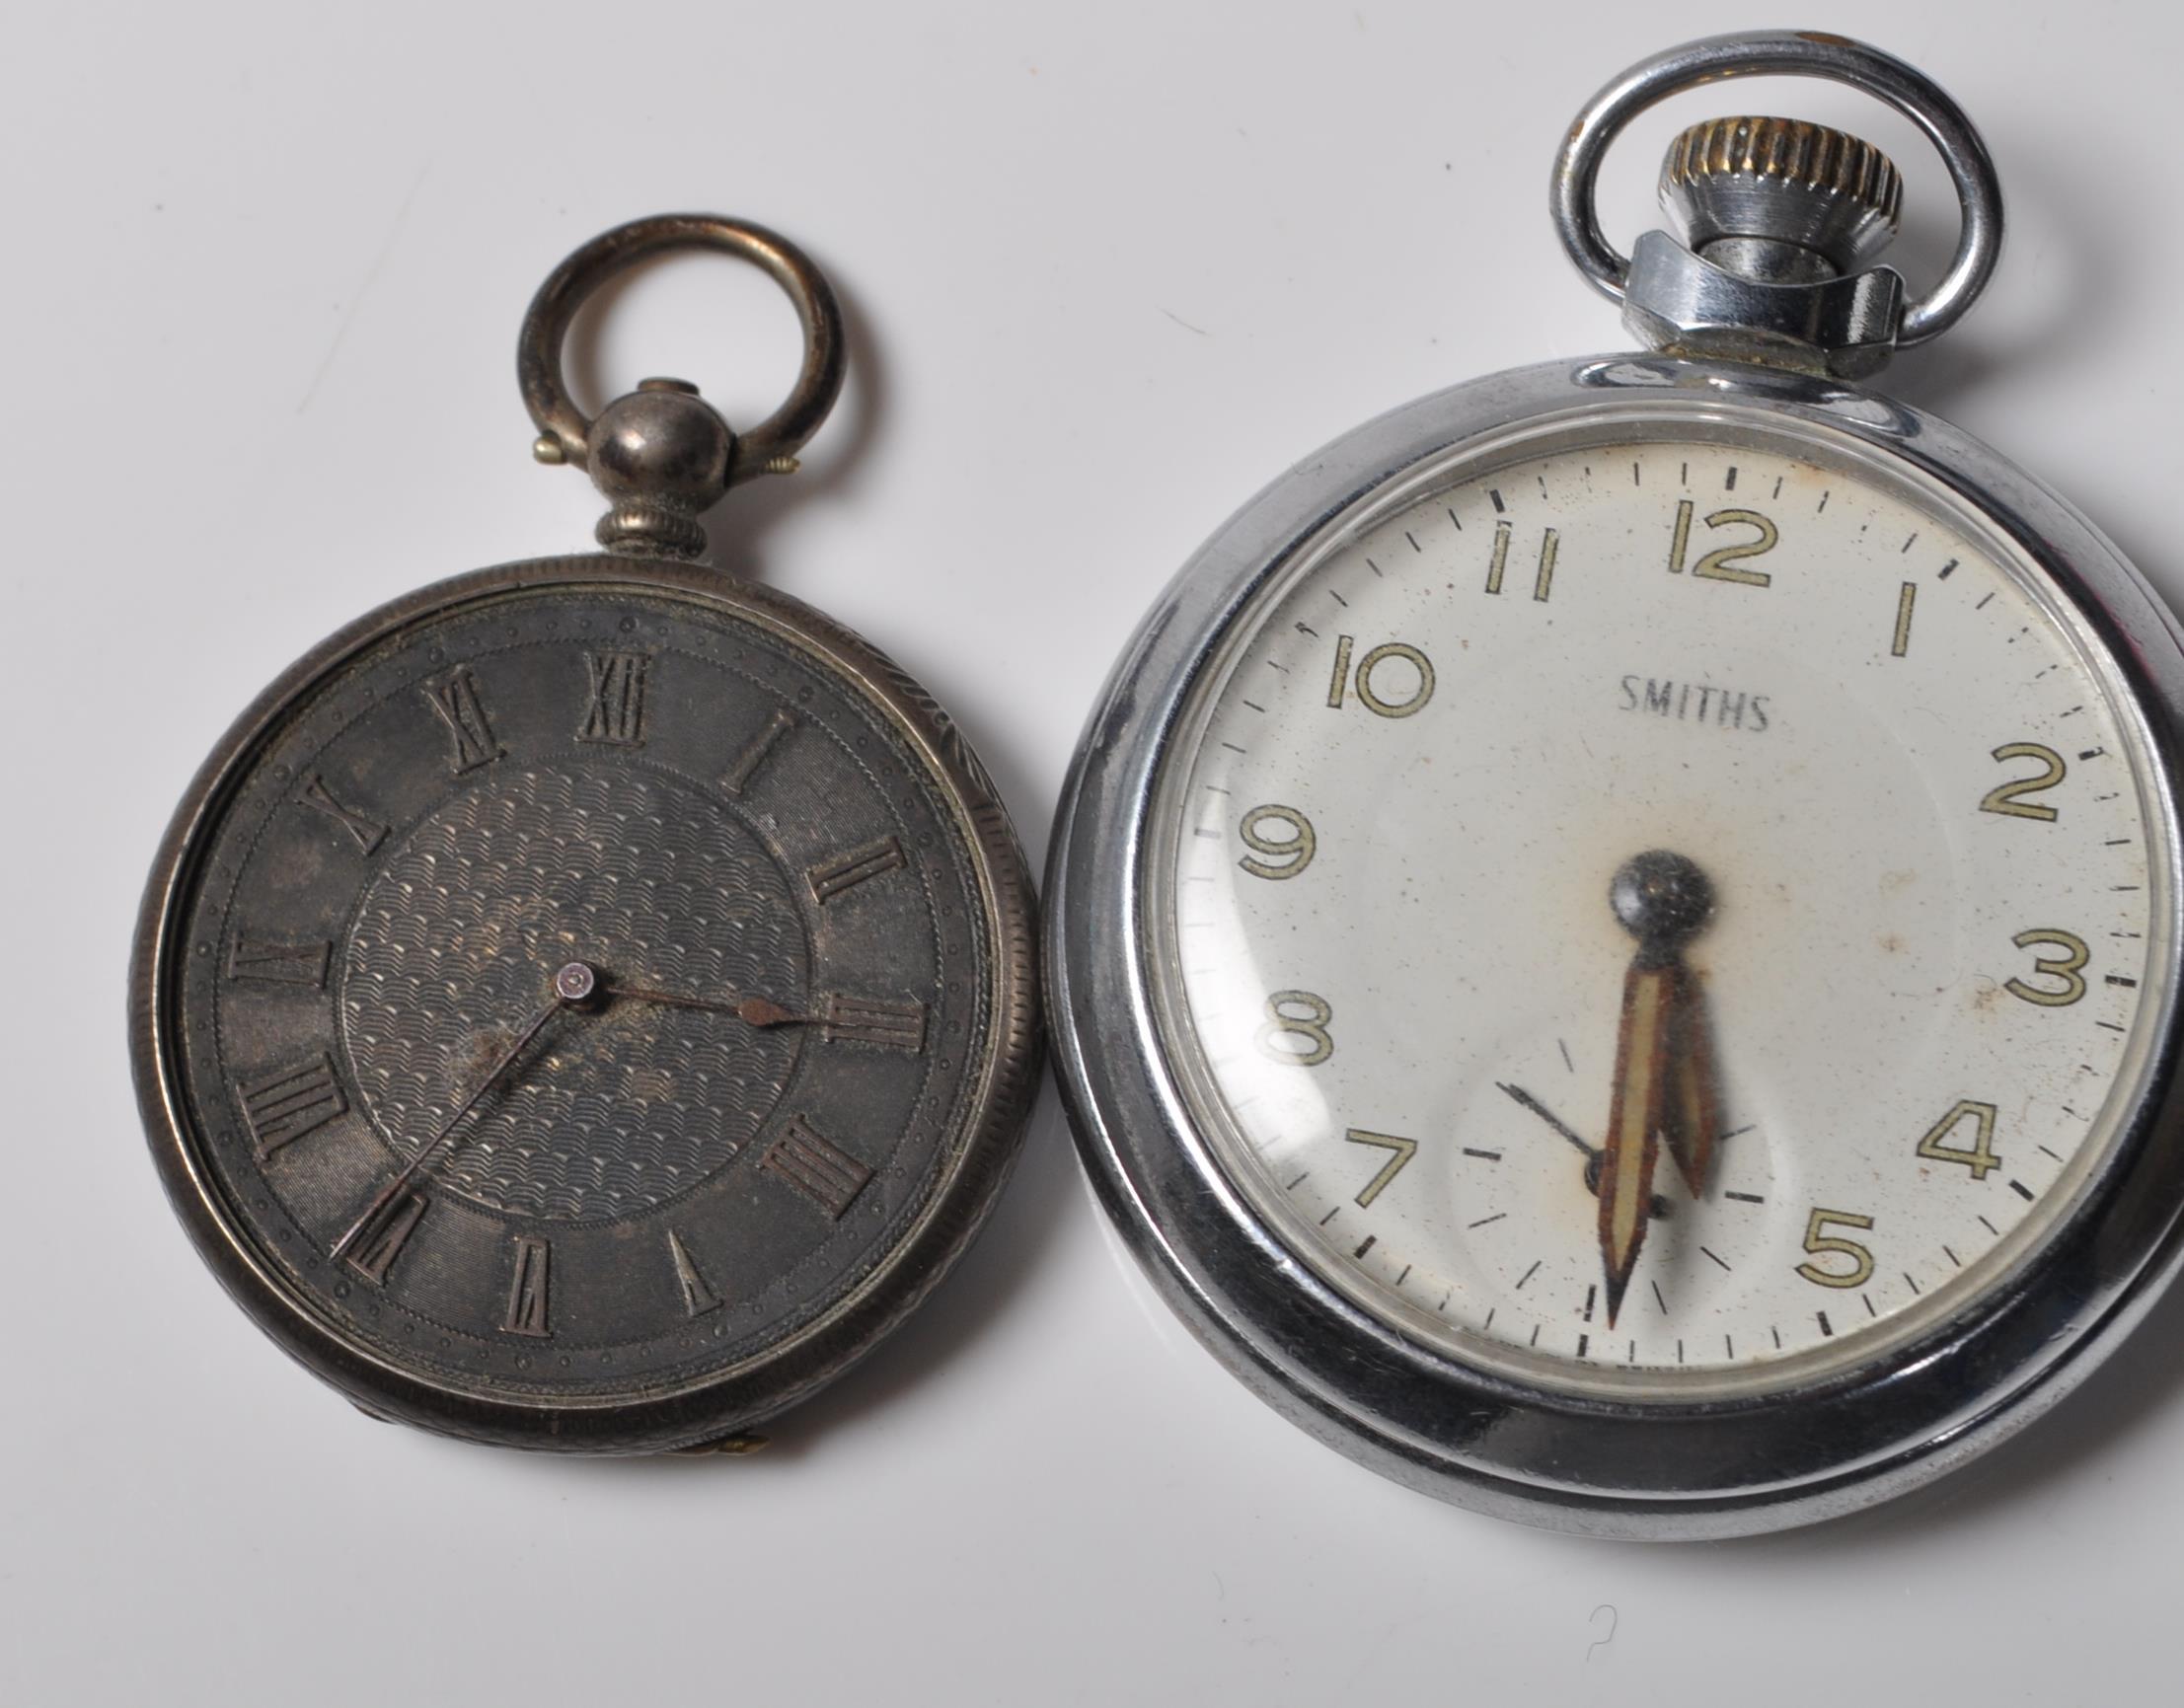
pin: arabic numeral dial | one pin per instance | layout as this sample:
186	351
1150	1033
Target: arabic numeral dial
1663	917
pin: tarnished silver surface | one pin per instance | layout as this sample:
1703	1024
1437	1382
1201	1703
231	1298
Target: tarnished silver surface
587	1003
454	924
669	1214
660	453
1597	1467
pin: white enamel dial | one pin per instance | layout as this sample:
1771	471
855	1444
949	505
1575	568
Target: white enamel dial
1390	974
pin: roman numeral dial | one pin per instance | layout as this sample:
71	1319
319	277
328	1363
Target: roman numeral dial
832	879
1868	811
280	1107
528	1311
455	700
365	831
817	1168
374	1254
614	710
697	1293
885	1025
567	978
747	764
258	960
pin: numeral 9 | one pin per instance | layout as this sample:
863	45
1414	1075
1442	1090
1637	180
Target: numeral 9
1287	855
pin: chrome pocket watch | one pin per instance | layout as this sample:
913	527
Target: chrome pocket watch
586	1002
1614	939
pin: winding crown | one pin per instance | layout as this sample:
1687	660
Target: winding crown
1765	183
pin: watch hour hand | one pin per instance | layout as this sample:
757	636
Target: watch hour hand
571	985
1690	1123
751	1010
1664	1064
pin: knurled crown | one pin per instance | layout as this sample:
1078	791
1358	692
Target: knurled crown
1782	181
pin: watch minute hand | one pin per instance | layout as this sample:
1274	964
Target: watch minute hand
1664	1064
1626	1160
408	1172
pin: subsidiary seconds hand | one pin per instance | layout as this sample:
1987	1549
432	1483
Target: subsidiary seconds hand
1527	1100
572	984
1585	1147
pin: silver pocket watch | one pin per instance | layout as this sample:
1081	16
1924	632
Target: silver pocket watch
1612	940
587	1004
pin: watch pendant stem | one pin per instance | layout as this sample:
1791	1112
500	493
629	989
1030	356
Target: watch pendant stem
664	456
661	454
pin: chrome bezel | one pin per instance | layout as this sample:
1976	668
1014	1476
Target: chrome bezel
1588	1463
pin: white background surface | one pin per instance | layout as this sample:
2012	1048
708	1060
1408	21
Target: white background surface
1110	267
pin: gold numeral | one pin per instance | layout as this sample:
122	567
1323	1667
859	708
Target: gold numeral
1543	578
1907	599
1820	1242
2075	955
887	1025
1719	564
1403	1150
1287	855
1980	1155
2006	797
1307	1027
1402	705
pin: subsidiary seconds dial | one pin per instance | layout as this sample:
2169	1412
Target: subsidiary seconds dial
1664	907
